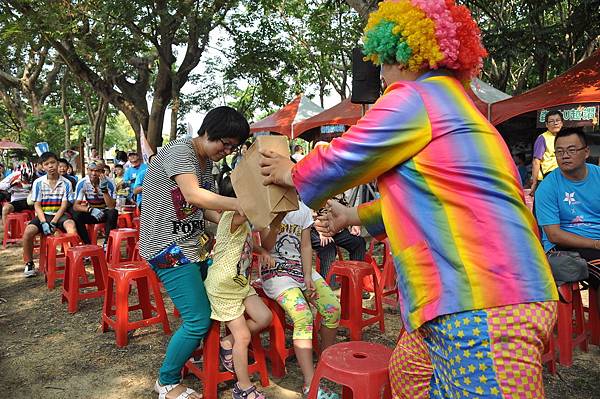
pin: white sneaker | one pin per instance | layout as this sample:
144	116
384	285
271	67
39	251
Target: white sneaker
29	270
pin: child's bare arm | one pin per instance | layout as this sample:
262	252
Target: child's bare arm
212	216
237	221
37	206
61	211
306	253
268	236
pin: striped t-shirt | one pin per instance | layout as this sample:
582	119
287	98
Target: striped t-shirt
85	191
166	217
50	198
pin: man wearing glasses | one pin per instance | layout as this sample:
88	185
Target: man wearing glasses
567	205
544	160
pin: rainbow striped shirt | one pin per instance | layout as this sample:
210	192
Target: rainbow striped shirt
50	199
451	200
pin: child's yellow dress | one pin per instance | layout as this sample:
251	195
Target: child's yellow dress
227	283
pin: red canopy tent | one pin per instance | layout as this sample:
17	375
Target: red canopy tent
10	145
287	118
580	84
344	113
347	113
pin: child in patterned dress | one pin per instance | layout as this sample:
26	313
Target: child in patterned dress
231	295
293	283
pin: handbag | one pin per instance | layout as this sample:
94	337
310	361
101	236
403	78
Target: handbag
567	267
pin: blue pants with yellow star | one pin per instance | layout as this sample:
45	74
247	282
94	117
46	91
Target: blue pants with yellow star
489	353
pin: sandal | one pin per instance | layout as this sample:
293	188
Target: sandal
226	357
239	393
181	391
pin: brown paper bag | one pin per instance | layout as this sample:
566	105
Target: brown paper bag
262	203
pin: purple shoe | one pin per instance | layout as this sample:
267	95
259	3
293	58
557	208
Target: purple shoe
250	393
226	357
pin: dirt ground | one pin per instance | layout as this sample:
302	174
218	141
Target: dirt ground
45	352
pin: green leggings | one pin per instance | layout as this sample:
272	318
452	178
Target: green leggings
186	289
295	305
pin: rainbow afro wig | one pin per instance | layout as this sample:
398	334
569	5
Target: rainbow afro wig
425	34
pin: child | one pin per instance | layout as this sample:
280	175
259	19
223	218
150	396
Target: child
291	281
230	294
50	194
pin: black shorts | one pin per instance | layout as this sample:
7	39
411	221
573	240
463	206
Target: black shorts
21	205
60	224
589	255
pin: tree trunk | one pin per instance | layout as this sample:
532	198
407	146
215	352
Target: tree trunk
174	117
97	127
65	110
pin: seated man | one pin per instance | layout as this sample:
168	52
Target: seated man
567	204
50	194
131	171
18	186
326	247
95	199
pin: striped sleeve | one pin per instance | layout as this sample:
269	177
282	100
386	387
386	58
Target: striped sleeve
394	130
36	191
79	191
112	192
370	217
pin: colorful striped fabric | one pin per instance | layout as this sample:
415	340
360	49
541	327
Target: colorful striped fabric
50	199
451	200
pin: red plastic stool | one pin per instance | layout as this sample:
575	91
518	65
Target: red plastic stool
209	373
352	274
549	355
571	332
113	248
93	229
386	273
49	256
74	268
361	367
14	228
116	300
593	325
136	223
125	220
30	213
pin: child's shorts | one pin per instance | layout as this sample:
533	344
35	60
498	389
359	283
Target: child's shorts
60	224
227	309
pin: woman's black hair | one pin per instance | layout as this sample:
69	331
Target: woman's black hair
225	122
226	188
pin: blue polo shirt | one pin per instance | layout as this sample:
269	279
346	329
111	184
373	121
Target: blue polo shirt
574	205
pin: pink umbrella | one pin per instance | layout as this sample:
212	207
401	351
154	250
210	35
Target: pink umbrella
10	145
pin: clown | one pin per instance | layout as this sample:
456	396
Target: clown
476	293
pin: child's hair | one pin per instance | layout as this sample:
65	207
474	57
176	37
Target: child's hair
46	156
118	166
64	161
226	188
107	169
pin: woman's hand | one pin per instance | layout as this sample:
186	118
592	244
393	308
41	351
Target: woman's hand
276	168
334	220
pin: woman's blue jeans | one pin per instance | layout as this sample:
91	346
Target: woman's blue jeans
186	289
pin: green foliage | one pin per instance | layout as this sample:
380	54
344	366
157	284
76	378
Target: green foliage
45	127
119	133
276	50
